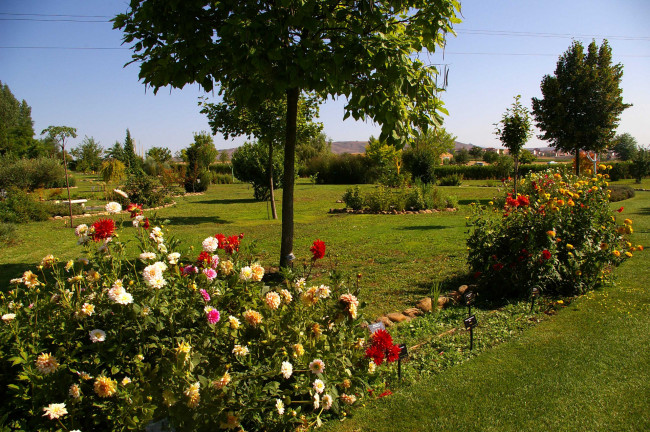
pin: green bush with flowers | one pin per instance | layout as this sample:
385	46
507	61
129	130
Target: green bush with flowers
559	235
193	341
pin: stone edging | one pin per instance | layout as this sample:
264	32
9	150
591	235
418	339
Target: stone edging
85	215
351	211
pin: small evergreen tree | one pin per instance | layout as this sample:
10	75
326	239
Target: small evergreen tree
513	131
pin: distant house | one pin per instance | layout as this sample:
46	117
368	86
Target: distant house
446	156
495	150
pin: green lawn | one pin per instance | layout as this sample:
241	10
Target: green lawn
585	368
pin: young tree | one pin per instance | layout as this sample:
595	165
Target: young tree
265	50
640	166
461	157
132	161
224	156
476	152
513	131
88	155
582	103
526	157
161	155
60	134
267	123
625	146
490	157
116	152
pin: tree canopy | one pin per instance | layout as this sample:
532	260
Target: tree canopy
265	50
16	125
582	102
514	130
625	146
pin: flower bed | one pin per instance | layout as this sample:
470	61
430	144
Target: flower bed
558	235
196	340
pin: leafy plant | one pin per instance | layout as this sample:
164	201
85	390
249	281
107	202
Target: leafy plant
451	180
559	234
353	199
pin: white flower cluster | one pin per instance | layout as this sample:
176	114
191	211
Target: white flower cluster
137	220
210	244
113	207
82	233
153	275
118	294
156	235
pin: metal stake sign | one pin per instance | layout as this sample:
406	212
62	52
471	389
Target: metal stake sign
470	323
403	353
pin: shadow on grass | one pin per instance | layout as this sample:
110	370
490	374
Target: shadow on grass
469	201
11	271
230	201
644	211
196	220
422	227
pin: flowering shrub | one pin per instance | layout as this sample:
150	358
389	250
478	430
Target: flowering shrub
559	235
194	339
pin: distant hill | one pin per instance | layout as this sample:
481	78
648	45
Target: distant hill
340	147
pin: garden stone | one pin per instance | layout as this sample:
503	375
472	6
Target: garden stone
443	301
397	317
462	289
412	312
424	305
387	322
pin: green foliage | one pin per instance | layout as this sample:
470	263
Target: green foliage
116	152
313	146
514	129
503	166
582	102
221	178
20	207
113	171
625	146
7	233
490	156
476	152
526	157
421	196
353	199
620	192
162	155
147	190
158	356
461	157
340	169
202	153
88	155
31	174
451	180
424	153
132	161
16	125
250	164
221	168
559	235
640	166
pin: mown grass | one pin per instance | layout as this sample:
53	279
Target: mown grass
585	369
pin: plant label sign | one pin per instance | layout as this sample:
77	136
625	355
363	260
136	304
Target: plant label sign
376	326
403	351
470	322
470	296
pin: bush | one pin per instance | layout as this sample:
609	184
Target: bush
7	233
145	190
30	174
620	193
353	199
421	163
20	207
340	169
221	168
250	165
221	178
451	180
198	183
559	235
619	171
127	342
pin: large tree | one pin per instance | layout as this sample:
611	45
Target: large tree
88	155
514	130
625	146
267	123
582	102
16	125
267	50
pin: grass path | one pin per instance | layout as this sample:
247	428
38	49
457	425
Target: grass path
587	369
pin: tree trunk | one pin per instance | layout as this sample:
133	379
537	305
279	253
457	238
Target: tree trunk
270	173
67	185
516	158
578	162
286	246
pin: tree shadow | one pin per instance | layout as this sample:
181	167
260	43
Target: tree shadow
469	201
230	201
422	227
196	220
644	211
12	271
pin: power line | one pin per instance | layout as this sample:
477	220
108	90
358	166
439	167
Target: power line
55	20
63	48
55	15
547	35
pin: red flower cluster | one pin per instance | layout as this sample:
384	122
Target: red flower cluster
204	260
546	254
103	229
317	249
382	347
522	200
135	209
229	244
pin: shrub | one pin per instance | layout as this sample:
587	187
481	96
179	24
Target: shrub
451	180
250	165
620	193
640	166
30	174
145	190
198	183
221	178
353	199
119	343
7	233
221	168
20	207
559	235
339	169
421	163
619	171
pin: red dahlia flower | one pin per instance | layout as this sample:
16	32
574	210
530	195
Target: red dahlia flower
620	210
103	229
317	249
382	347
546	254
135	209
523	200
145	224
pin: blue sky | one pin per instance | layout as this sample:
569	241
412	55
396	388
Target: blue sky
503	48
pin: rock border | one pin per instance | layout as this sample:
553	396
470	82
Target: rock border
85	215
394	212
